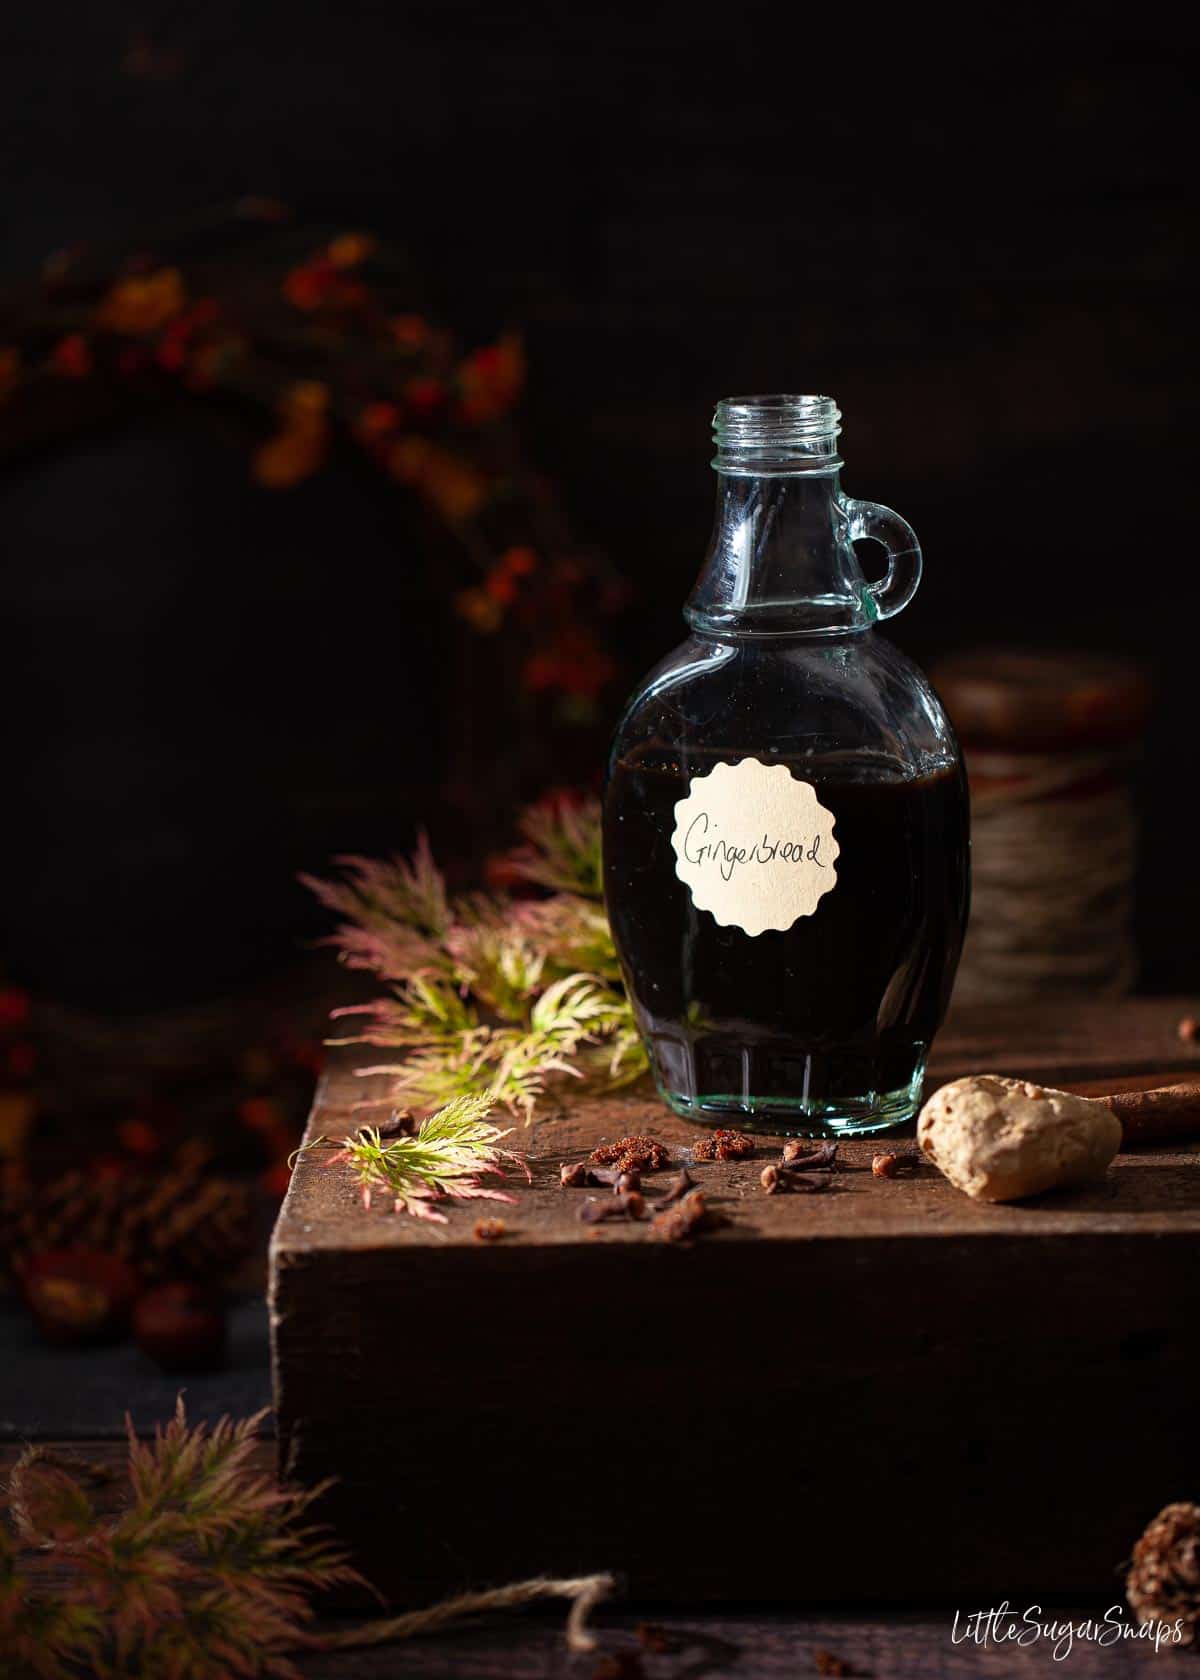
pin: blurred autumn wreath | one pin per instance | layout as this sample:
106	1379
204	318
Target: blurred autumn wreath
222	678
320	347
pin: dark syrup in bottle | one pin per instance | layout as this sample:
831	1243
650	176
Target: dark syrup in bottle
827	1022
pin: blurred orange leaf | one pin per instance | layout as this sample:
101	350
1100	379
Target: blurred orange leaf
490	380
454	487
142	303
350	249
291	456
410	331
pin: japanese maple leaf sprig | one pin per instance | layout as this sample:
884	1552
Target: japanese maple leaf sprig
443	1159
489	995
208	1569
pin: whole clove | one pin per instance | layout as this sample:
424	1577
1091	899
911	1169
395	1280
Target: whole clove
400	1123
631	1154
777	1180
684	1220
629	1204
893	1166
724	1145
809	1157
677	1188
577	1174
615	1178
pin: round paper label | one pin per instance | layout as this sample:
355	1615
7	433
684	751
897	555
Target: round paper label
755	845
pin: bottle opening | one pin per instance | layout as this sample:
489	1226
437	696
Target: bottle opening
776	435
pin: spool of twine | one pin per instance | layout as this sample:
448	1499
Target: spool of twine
1050	742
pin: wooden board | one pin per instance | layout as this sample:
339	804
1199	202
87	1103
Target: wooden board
1069	1044
832	1397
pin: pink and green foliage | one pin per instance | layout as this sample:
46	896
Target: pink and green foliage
444	1159
206	1572
561	847
490	995
394	912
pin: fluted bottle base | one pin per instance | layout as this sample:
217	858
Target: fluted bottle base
785	1093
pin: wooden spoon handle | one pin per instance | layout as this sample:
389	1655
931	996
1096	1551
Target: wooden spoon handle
1169	1114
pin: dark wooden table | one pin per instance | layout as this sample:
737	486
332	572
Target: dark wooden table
1104	1047
751	1643
762	1645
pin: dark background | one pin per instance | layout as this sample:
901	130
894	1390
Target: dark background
981	245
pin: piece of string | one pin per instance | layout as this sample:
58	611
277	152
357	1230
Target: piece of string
584	1591
1053	852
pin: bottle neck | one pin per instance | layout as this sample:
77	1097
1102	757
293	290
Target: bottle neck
781	561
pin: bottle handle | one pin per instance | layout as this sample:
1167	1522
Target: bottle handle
872	522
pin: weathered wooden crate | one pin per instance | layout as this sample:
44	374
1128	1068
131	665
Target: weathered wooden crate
886	1393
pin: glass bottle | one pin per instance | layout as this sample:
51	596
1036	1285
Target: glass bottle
786	848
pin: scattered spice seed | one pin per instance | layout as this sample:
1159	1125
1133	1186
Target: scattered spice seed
677	1188
490	1230
723	1145
630	1205
810	1157
1188	1029
684	1220
631	1154
827	1663
619	1665
660	1640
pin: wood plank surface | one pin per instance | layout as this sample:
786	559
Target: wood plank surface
1150	1191
1060	1043
909	1369
756	1646
759	1644
1099	1047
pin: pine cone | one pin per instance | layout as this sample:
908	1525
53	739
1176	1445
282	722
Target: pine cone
168	1226
1164	1581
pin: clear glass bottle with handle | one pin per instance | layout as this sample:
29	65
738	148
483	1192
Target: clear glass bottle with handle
785	815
